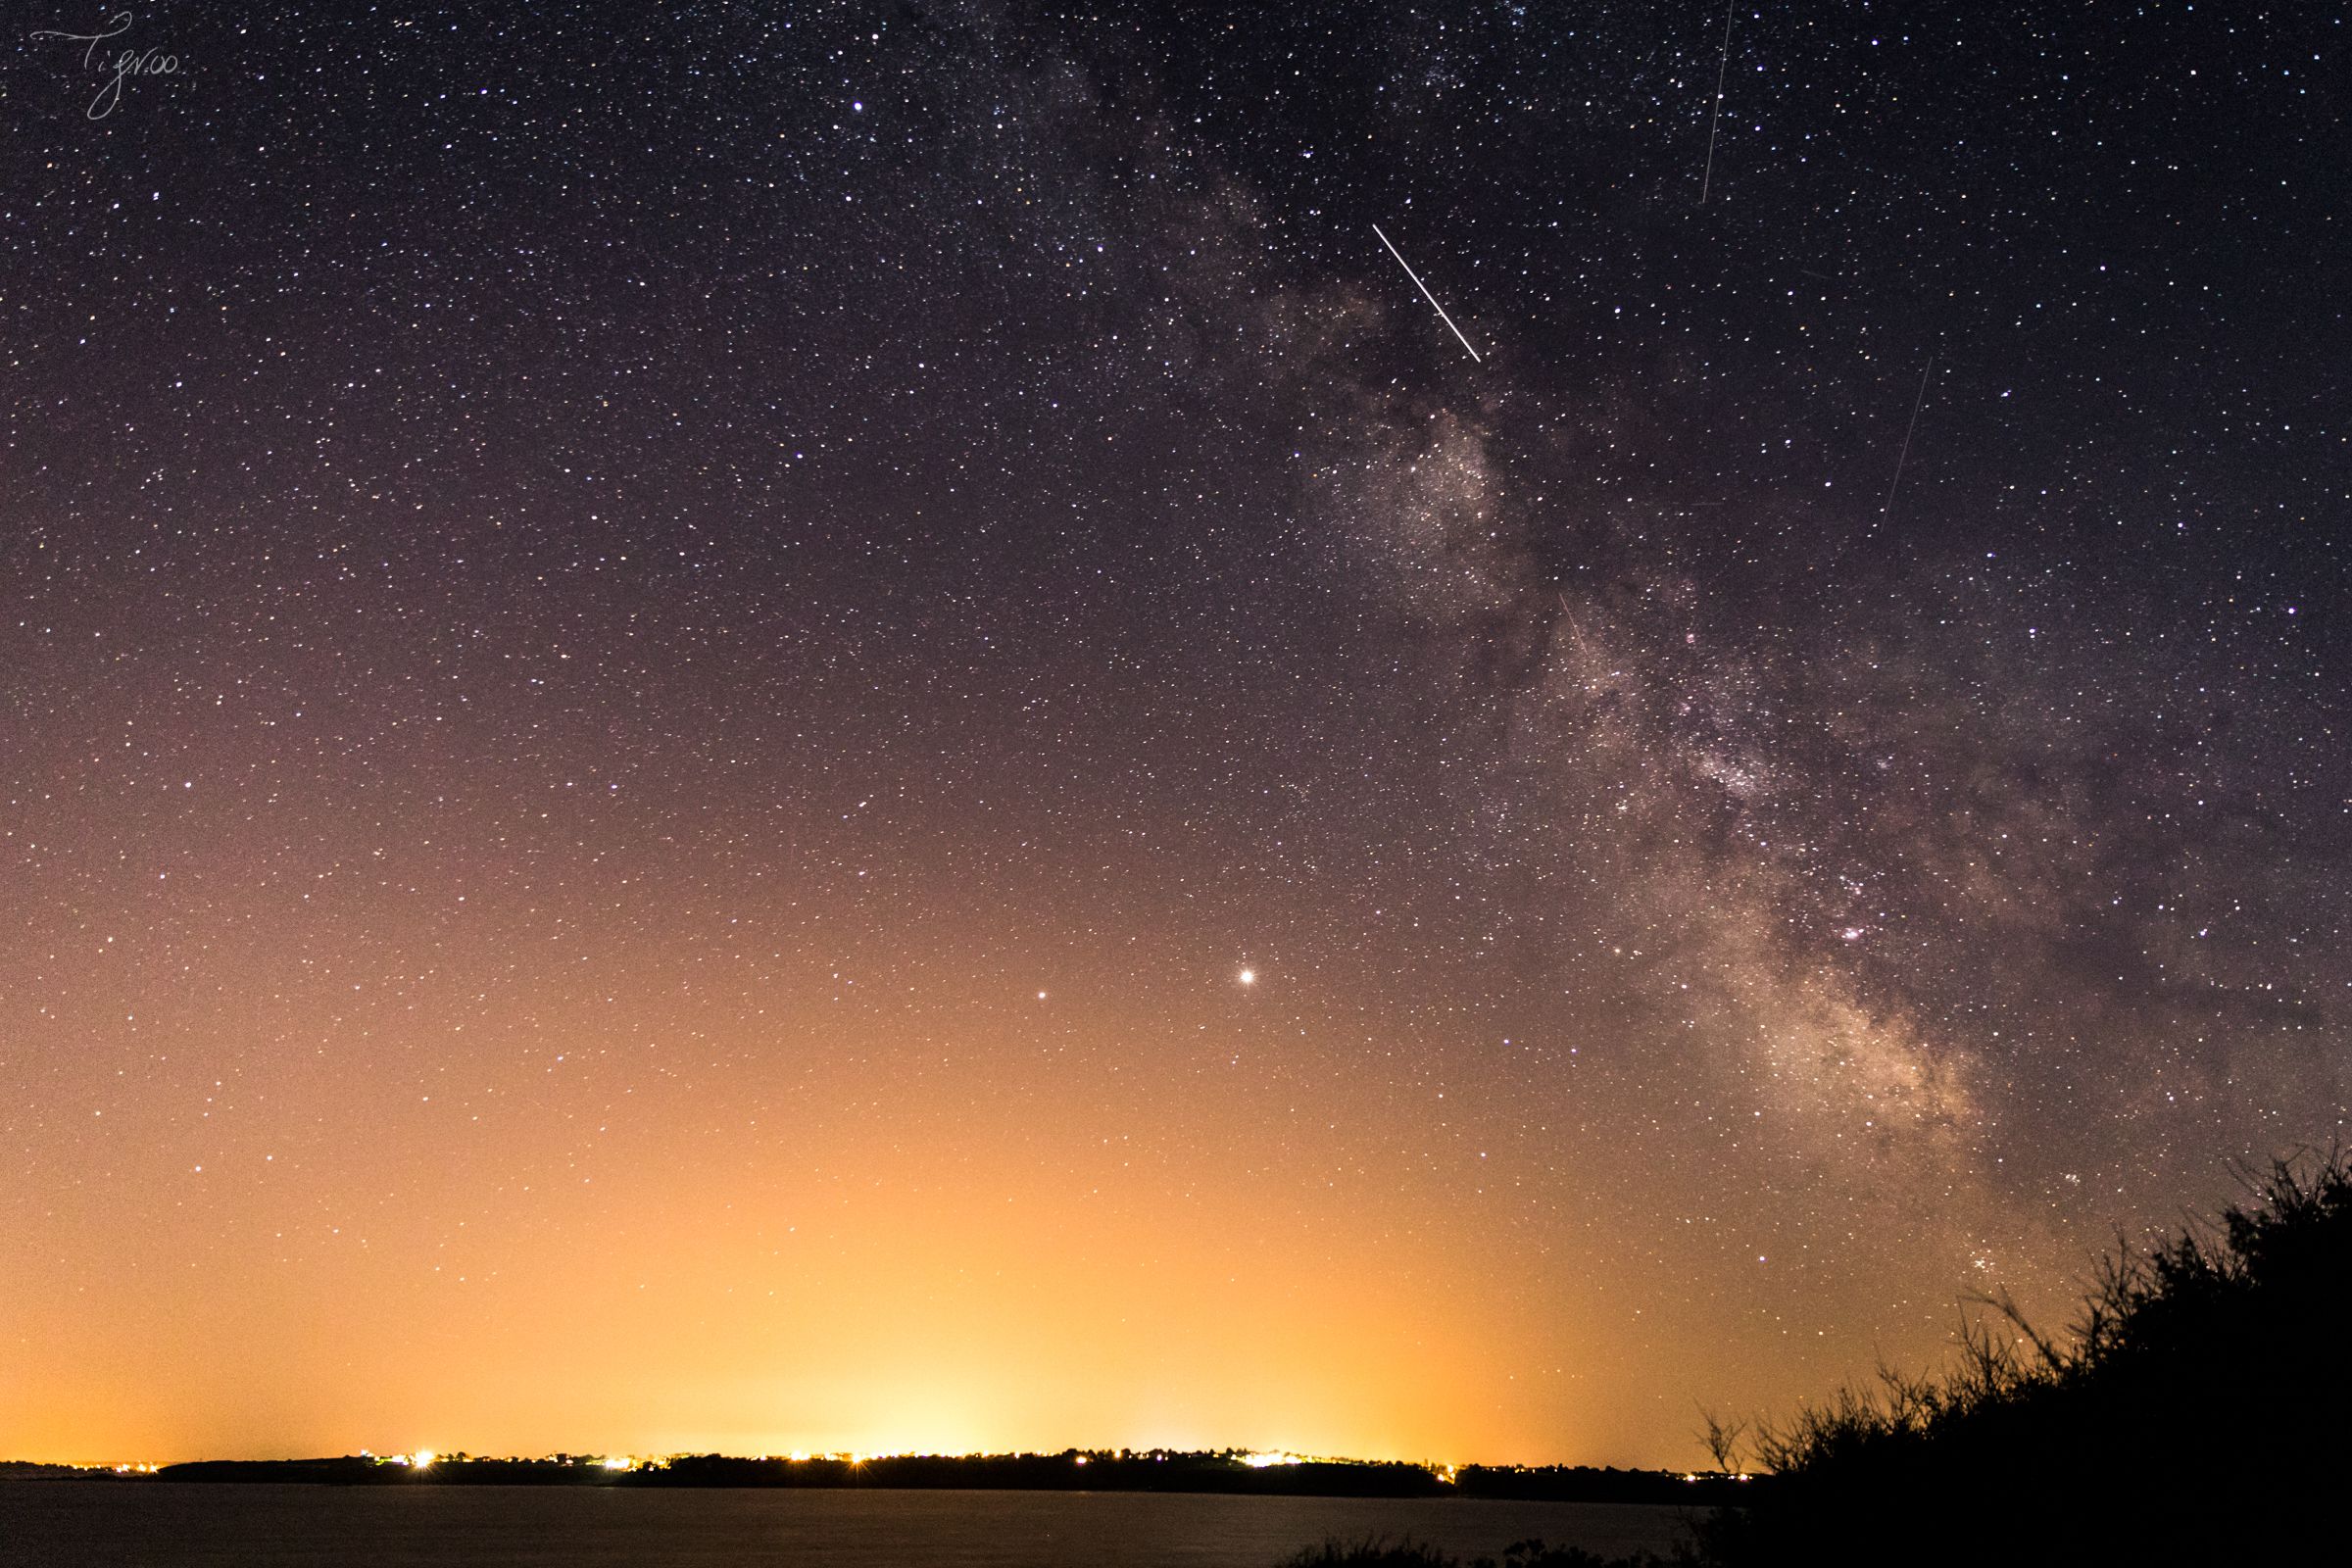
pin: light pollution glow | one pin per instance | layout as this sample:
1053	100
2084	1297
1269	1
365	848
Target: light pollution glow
1040	1242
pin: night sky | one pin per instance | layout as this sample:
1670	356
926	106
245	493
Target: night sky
770	727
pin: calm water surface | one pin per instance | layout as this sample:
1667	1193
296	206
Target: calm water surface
66	1524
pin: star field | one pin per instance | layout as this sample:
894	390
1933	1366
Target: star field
844	727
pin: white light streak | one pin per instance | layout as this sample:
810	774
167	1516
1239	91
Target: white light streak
1722	68
1425	293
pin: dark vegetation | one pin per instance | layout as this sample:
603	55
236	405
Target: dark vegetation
1068	1471
362	1470
31	1470
2195	1412
1063	1472
1071	1470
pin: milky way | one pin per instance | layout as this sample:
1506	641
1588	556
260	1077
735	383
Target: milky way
658	676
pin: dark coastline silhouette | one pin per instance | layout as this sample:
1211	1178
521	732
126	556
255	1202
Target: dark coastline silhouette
1072	1470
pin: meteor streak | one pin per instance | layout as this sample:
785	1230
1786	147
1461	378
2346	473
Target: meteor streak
1425	293
1909	430
1722	68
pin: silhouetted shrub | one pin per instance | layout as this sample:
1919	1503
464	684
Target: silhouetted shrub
1536	1554
2194	1413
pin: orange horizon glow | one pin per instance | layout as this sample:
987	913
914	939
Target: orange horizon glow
1169	1213
547	1198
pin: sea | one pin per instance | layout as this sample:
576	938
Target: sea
71	1524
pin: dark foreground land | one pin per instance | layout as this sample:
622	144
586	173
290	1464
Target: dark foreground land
2194	1413
1068	1471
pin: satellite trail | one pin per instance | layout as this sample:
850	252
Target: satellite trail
1425	293
1722	68
1904	455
